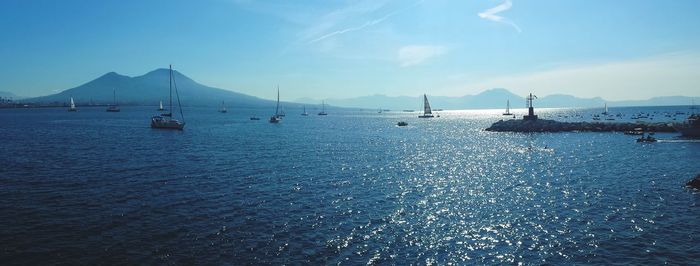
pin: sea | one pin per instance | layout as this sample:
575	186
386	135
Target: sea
350	188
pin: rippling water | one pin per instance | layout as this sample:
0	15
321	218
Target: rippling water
350	188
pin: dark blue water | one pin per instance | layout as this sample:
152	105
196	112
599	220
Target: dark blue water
351	188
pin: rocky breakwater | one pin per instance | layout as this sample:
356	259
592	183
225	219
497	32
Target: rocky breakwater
542	125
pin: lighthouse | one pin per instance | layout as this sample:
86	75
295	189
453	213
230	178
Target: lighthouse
530	109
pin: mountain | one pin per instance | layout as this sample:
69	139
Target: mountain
562	100
149	89
9	95
665	100
495	99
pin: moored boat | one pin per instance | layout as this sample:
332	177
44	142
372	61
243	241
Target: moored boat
166	121
276	118
507	108
427	112
72	108
223	108
323	110
113	107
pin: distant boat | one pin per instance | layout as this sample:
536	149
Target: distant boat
323	111
223	108
166	121
113	107
402	124
72	106
605	112
427	112
305	113
161	106
380	111
276	118
690	127
648	138
507	108
253	117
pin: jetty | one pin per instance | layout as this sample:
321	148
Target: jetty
532	123
544	125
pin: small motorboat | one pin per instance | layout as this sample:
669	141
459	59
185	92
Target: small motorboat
648	138
254	118
402	124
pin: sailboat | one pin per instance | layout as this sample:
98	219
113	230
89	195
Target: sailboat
223	108
305	113
507	108
113	107
323	111
276	118
161	106
72	105
166	121
605	112
427	112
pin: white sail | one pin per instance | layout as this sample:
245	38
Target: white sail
426	106
606	108
72	104
508	107
161	105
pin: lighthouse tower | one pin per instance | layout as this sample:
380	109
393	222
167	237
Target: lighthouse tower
530	109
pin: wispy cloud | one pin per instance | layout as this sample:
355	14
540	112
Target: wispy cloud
346	30
334	17
416	54
491	14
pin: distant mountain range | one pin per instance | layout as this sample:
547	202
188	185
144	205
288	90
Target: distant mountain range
150	89
495	99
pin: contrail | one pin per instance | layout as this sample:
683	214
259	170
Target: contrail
490	14
367	24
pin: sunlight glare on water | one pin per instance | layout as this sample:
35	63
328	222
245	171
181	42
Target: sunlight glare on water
348	188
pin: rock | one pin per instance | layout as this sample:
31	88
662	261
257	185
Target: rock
694	183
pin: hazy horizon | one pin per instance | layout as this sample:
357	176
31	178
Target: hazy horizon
351	49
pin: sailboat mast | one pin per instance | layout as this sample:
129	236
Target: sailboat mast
277	108
114	96
170	77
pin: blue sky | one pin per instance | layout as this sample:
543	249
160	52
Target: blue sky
338	49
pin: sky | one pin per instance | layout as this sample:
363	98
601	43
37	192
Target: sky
618	50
